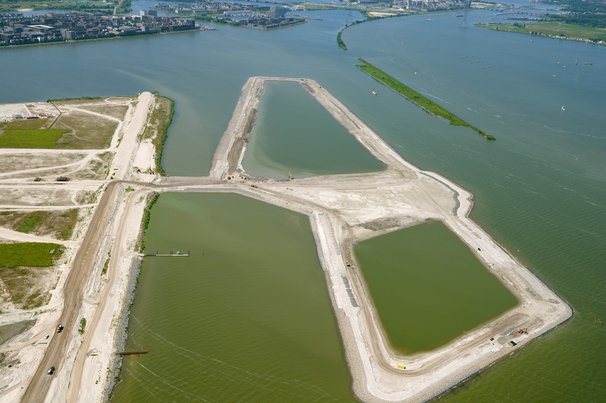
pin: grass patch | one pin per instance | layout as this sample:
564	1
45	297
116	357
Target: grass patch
25	286
31	138
157	127
86	197
68	101
27	124
71	218
82	326
106	264
97	168
23	270
30	222
418	99
115	111
58	224
29	254
552	29
85	131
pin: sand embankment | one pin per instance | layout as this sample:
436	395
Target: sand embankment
342	209
76	295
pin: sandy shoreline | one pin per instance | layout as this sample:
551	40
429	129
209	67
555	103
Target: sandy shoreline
343	209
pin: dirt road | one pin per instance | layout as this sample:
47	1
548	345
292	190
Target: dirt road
119	250
73	293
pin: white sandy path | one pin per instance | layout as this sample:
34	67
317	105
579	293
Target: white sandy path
133	126
236	126
101	115
11	235
87	184
78	165
144	160
16	207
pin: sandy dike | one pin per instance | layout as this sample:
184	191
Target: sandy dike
342	209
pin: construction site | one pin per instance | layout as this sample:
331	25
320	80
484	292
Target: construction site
342	209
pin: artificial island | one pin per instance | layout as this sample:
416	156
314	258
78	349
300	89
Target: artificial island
111	184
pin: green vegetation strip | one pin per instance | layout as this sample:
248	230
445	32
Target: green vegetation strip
340	42
418	99
552	29
24	138
157	128
73	100
167	114
29	254
147	216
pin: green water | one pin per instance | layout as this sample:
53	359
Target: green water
293	132
428	287
246	317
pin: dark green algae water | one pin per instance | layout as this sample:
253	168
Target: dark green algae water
246	317
428	287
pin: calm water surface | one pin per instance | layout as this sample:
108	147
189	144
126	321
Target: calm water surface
428	287
246	317
539	189
294	133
